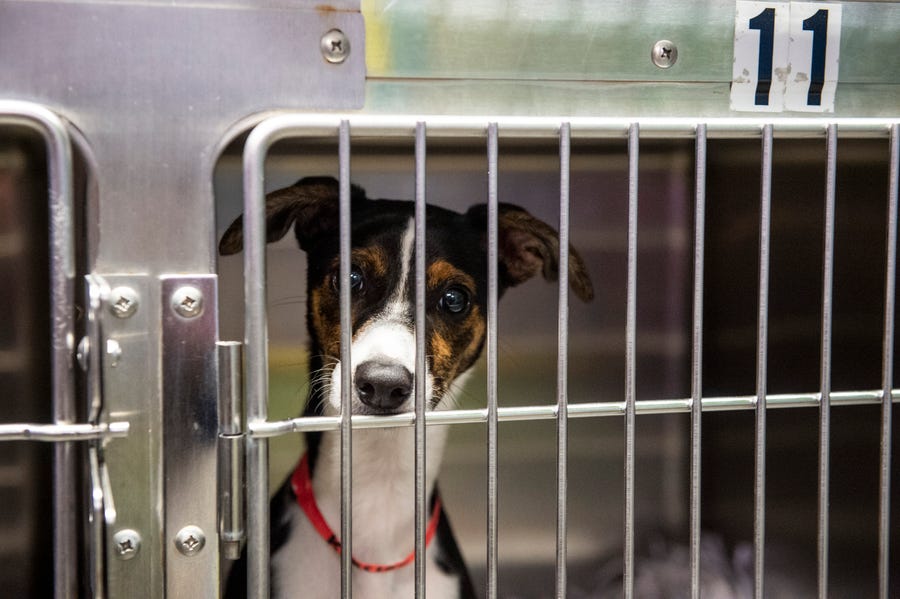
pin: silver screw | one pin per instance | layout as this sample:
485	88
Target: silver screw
123	302
335	46
190	540
664	54
127	543
188	301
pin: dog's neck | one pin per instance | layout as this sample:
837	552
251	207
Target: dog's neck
383	470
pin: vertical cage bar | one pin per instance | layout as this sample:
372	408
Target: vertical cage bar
62	319
562	400
630	357
762	344
492	298
697	355
256	367
420	509
346	365
825	381
884	510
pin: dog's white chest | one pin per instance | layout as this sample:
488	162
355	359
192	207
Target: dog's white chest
307	567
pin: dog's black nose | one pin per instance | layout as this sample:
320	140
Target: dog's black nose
383	385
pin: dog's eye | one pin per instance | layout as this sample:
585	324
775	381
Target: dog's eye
455	300
357	281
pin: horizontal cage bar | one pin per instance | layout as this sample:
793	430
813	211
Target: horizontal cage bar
576	410
290	125
62	432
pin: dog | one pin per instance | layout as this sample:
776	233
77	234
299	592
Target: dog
305	512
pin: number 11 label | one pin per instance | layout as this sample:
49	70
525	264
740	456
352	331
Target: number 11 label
785	56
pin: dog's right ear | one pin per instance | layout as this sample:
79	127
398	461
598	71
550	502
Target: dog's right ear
310	205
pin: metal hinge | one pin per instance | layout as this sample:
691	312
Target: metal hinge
232	431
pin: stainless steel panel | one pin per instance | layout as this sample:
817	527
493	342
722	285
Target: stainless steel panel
131	392
595	41
155	89
529	57
189	331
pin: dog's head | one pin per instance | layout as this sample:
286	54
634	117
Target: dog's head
383	286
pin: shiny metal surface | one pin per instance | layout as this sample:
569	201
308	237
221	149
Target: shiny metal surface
62	317
697	357
562	366
884	504
493	478
630	358
345	227
602	65
154	89
231	450
421	506
762	345
134	463
831	140
190	396
264	430
62	432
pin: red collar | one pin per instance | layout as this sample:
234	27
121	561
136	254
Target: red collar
302	486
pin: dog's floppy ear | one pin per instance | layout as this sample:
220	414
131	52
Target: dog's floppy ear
528	246
310	205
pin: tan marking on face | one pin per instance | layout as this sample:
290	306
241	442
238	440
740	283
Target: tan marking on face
326	329
441	272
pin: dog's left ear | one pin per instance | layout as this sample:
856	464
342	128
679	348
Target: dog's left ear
528	246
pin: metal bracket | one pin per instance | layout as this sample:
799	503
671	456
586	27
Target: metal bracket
188	308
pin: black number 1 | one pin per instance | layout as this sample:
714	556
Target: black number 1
764	22
818	24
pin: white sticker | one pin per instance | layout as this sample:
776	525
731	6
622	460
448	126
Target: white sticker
785	56
815	46
761	56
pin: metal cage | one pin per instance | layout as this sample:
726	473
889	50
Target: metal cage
161	427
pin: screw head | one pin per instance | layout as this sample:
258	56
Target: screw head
187	301
123	302
664	54
335	46
127	543
190	540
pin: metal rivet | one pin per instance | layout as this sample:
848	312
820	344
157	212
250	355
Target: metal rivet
127	543
335	46
123	302
190	540
188	301
664	54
